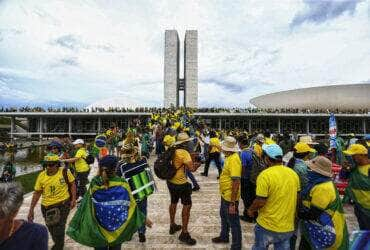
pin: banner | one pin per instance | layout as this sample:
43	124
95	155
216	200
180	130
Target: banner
332	131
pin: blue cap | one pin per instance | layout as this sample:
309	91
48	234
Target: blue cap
100	143
272	150
55	144
109	161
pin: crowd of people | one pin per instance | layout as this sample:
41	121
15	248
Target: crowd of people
285	184
248	110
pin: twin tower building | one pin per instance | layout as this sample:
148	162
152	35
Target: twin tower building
173	84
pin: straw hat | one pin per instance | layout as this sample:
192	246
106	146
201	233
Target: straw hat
181	138
230	144
321	165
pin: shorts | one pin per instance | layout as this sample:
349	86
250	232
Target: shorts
182	191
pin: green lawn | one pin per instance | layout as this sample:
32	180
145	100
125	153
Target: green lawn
28	181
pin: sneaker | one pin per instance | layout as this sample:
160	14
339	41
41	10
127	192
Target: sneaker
204	174
218	240
174	228
142	238
186	238
196	188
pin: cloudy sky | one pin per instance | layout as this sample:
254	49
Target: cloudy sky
81	52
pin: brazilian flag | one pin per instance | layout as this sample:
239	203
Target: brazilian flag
106	217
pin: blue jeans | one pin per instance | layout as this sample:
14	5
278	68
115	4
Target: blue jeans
142	206
264	238
230	221
192	178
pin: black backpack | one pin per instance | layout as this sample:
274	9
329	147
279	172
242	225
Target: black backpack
257	167
90	159
163	166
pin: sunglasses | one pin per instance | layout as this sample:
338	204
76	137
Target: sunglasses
50	164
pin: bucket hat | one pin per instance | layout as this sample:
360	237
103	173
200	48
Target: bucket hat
321	165
230	144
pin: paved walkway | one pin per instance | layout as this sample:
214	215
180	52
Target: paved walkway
204	222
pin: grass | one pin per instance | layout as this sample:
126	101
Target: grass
28	181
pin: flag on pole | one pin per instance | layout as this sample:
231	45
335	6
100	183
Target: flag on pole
332	131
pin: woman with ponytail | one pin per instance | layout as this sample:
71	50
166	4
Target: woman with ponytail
108	214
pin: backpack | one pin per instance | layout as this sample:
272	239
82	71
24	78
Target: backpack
163	166
257	167
90	159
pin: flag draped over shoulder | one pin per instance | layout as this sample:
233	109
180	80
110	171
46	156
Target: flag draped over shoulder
106	217
358	190
317	233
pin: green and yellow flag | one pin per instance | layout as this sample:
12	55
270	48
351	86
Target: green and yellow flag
106	217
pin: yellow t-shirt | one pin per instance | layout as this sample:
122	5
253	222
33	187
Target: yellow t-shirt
54	189
322	195
232	169
80	164
257	149
181	157
214	143
269	141
279	185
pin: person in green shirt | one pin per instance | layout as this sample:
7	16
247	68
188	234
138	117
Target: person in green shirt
358	188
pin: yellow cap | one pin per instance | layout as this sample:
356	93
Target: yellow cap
168	140
51	158
356	149
302	147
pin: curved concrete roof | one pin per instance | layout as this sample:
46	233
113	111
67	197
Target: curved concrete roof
350	96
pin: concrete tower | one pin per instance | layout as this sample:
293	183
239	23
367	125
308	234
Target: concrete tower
172	82
191	69
171	68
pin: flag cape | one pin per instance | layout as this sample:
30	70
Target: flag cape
358	190
336	214
106	217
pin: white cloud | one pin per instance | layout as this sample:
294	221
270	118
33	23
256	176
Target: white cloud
94	50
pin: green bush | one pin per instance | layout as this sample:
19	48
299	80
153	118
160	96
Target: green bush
28	181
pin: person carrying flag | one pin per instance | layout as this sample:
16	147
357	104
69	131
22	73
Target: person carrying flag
108	214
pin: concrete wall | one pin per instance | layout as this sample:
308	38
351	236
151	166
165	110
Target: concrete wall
171	68
354	96
191	68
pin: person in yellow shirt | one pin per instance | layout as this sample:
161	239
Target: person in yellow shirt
277	190
213	153
257	147
268	139
57	188
179	188
230	194
323	225
81	166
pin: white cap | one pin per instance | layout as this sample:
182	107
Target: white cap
78	141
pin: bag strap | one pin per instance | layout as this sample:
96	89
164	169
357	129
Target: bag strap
65	176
